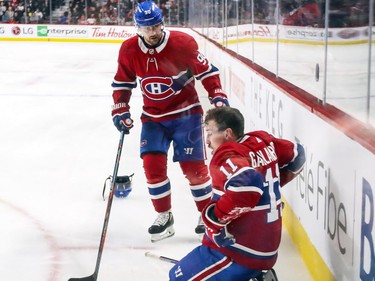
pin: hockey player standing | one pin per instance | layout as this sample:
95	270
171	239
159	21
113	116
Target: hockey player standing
243	220
166	64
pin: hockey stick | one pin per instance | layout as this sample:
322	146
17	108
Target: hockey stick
94	276
162	258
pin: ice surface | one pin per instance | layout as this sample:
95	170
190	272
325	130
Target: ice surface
57	146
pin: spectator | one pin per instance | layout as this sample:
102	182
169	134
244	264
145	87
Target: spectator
129	17
75	15
12	20
3	9
359	14
17	17
38	15
91	20
20	8
13	3
64	18
308	14
82	20
9	14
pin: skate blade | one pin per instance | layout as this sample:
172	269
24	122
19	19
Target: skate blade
270	275
169	232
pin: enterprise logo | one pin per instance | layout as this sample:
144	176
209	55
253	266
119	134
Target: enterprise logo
42	31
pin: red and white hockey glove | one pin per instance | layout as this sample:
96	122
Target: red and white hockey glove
219	101
216	231
121	117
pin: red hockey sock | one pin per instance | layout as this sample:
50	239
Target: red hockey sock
200	182
159	187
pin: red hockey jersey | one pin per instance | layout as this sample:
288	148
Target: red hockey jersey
252	213
166	74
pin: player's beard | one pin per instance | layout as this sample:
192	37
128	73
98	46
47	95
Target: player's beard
154	39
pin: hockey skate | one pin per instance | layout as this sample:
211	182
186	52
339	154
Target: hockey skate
199	229
268	275
162	227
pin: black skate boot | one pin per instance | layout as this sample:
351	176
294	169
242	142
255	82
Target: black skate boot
267	275
199	229
162	227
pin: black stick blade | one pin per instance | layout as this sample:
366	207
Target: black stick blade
88	278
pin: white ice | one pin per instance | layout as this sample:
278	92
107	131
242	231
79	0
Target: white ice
57	146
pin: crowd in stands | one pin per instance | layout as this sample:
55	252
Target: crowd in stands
343	13
113	12
97	12
24	11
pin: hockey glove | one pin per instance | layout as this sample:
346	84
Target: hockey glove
219	102
121	117
216	231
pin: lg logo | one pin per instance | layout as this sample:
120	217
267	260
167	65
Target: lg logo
16	30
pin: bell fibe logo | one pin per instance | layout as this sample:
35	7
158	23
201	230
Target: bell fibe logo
367	249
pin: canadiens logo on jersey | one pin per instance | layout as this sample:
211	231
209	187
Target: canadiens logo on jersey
163	87
157	88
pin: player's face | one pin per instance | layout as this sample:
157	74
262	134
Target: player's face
152	34
214	137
